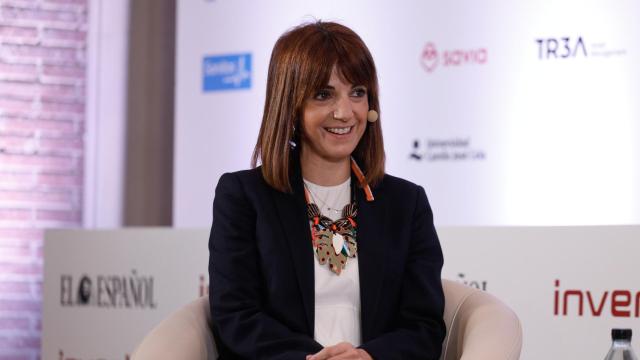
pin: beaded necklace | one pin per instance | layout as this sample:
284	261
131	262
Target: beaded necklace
335	241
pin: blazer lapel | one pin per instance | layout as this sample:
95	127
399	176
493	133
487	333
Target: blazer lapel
292	210
372	240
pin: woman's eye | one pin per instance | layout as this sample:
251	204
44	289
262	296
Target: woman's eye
359	92
322	95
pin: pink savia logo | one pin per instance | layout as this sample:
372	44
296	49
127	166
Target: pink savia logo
430	58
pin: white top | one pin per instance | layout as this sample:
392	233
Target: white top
337	297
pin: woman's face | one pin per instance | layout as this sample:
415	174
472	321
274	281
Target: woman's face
334	119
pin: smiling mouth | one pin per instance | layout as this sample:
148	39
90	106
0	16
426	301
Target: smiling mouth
339	130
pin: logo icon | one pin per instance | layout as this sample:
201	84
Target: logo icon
429	58
84	291
226	72
563	48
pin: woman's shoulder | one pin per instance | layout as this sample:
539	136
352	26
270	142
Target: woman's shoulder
394	184
402	195
244	175
242	179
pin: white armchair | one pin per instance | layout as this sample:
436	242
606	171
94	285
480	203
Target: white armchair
479	327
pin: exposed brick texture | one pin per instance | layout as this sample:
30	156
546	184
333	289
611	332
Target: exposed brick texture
42	109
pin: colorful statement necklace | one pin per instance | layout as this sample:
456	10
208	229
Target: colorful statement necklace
335	241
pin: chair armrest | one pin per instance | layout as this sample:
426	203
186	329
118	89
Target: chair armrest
479	326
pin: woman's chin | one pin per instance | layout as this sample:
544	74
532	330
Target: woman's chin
330	151
338	156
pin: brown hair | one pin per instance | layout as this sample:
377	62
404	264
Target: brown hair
301	63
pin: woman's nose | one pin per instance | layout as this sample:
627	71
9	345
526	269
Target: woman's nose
343	110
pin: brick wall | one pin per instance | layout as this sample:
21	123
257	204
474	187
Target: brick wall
42	109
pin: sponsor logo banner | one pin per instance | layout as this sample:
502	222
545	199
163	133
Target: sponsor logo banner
128	291
455	149
559	280
623	303
571	47
101	283
226	72
431	58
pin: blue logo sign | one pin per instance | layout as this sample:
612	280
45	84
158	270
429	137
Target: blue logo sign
226	72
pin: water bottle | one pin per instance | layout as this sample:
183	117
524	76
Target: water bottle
621	347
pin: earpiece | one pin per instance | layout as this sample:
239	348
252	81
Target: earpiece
372	116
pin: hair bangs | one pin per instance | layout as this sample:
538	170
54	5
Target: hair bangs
355	68
321	59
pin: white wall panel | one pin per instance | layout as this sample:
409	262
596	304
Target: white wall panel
547	136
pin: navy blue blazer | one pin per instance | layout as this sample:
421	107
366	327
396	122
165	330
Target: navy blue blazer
262	281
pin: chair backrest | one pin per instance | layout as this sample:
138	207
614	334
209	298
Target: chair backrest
479	327
185	334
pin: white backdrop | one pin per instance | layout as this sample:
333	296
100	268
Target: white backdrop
522	113
518	265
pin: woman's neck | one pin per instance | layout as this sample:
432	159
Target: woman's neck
325	172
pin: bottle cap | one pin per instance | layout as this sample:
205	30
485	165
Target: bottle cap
621	334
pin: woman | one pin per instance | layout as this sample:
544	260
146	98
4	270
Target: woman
317	254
